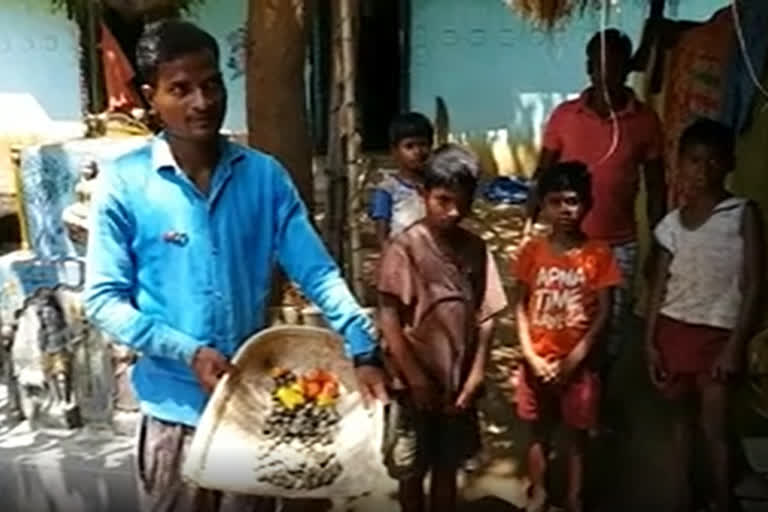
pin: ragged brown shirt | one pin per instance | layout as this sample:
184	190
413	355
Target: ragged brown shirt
443	299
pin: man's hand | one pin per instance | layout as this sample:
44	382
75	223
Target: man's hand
729	363
655	366
209	366
373	383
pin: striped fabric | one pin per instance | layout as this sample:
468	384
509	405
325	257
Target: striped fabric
620	323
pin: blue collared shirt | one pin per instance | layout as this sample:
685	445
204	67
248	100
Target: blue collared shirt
170	270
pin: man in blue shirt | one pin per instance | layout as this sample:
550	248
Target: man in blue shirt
185	233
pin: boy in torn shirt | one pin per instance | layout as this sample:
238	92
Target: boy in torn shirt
439	293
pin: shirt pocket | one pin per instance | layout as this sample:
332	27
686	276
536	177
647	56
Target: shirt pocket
164	251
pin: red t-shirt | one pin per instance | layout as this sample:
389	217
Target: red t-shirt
563	291
579	134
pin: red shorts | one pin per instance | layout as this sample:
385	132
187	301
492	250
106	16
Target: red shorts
576	401
688	353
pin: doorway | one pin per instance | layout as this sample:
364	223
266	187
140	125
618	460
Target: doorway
382	74
382	68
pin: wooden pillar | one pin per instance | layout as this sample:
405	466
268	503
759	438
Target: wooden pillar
275	86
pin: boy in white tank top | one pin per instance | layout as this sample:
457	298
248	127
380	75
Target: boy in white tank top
703	303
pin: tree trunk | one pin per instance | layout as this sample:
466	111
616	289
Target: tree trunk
275	94
275	88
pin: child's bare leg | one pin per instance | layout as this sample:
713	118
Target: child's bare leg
537	469
442	494
678	462
712	419
576	442
411	494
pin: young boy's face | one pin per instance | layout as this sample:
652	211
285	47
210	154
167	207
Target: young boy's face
564	209
411	153
703	167
446	207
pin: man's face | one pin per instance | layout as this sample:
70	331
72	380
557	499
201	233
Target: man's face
609	74
446	207
564	209
411	153
189	96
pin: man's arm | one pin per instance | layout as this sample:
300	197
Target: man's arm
660	260
306	261
110	280
547	159
656	191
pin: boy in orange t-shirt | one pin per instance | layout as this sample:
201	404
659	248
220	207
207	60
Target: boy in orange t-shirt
565	283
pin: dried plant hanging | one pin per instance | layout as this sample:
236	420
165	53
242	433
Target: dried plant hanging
549	14
546	14
75	8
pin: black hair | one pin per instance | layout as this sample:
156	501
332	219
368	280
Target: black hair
168	41
570	176
452	166
50	300
712	134
410	124
615	39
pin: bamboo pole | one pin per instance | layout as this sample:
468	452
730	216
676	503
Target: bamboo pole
335	173
349	17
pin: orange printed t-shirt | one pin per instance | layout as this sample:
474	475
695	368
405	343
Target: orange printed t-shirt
563	292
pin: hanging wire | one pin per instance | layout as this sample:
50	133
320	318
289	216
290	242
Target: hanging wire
615	126
745	53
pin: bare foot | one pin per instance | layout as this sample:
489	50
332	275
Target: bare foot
537	500
574	505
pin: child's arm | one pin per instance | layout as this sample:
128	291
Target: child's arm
477	373
576	356
420	386
382	232
380	212
543	369
732	357
657	285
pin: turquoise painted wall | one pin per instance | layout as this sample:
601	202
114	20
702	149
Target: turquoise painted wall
225	19
497	71
39	57
39	61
